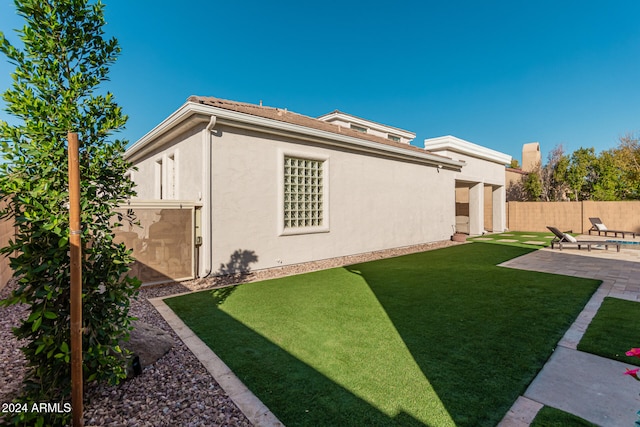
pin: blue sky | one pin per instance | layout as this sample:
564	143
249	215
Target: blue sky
496	73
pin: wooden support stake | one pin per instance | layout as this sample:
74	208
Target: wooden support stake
75	238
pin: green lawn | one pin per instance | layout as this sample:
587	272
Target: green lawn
439	338
525	239
613	331
552	417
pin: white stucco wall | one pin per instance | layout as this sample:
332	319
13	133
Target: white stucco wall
374	203
478	170
476	175
188	168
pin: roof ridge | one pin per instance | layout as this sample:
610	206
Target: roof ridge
285	115
396	128
213	99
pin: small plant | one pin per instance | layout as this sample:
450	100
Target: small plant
634	352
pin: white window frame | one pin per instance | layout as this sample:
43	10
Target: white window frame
159	178
359	128
172	176
129	175
166	182
324	228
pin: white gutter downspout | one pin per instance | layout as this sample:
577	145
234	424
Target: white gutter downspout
207	203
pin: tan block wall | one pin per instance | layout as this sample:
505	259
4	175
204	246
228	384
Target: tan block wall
7	232
615	215
536	216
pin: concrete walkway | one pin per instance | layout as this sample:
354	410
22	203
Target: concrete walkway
245	400
591	387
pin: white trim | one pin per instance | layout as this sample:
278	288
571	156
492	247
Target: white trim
191	114
469	179
159	187
451	143
173	185
179	121
359	128
339	115
324	228
206	250
130	174
159	204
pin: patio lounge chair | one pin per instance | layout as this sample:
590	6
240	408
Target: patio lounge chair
564	239
597	225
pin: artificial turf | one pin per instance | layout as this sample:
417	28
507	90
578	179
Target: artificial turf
438	338
613	331
552	417
523	239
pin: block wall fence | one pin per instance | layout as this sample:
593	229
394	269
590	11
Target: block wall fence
574	216
521	216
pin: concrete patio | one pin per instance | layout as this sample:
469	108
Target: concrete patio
589	386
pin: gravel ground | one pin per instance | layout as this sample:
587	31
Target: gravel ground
177	390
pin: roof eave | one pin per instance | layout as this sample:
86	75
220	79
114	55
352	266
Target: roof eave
191	114
179	121
451	143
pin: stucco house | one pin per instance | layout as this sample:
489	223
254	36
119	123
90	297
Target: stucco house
289	189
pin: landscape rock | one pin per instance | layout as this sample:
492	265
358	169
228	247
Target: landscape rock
148	342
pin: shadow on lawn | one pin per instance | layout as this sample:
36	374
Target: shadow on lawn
468	329
288	379
474	332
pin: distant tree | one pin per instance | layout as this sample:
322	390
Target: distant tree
607	178
63	61
581	174
553	176
612	175
516	193
532	185
514	164
626	157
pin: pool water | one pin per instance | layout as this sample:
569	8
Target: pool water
626	243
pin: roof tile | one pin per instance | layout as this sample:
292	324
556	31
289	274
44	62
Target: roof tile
287	116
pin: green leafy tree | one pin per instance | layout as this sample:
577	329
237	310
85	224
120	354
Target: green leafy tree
608	178
626	157
532	186
552	176
612	175
63	60
580	174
